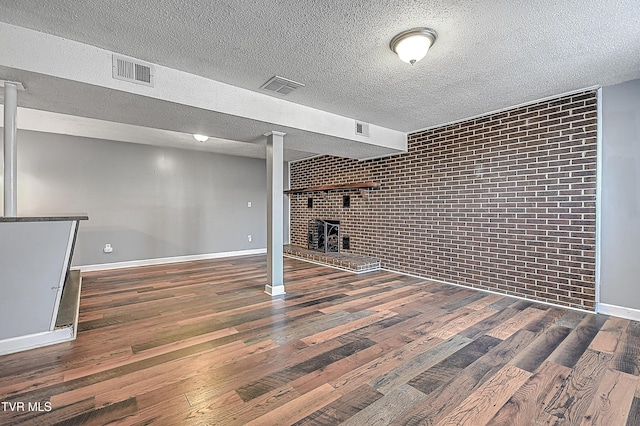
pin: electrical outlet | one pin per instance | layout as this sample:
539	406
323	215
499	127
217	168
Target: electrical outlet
249	204
107	248
249	237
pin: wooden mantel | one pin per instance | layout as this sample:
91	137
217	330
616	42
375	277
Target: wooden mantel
327	188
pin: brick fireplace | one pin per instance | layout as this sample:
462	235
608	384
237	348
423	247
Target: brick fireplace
323	235
504	202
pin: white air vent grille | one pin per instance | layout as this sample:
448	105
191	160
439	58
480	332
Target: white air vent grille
281	85
362	129
132	70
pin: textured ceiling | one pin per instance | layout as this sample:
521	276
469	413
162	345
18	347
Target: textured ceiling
489	54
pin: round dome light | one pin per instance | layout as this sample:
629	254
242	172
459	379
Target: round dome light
413	45
201	138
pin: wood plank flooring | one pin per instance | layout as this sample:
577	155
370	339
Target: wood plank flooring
200	343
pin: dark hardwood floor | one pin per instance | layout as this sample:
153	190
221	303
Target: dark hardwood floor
199	343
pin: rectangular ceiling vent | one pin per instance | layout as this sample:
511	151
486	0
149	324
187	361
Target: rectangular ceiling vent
280	85
132	70
362	129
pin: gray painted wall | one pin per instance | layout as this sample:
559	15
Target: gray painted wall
620	197
147	202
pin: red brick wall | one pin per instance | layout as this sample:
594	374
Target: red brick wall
504	202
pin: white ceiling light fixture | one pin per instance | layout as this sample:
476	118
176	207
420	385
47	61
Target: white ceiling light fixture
201	138
413	45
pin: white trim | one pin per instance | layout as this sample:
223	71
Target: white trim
165	260
308	158
38	340
498	111
391	154
77	301
304	259
618	311
18	84
599	160
274	290
289	201
491	292
383	155
63	273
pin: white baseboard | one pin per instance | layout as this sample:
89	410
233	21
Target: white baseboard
618	311
274	291
165	260
32	341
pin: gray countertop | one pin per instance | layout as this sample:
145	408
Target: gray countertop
43	218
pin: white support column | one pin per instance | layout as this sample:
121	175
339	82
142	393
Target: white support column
275	213
10	148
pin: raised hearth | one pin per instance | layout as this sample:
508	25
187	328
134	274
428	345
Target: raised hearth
350	262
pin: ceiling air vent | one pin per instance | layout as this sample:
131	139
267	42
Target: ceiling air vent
132	70
362	129
282	86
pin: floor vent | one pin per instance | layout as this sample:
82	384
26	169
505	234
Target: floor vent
132	70
280	85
